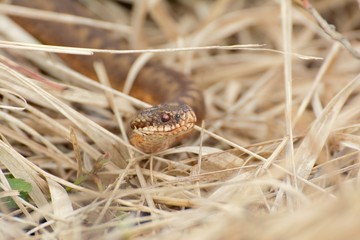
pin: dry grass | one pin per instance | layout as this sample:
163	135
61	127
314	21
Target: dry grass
277	157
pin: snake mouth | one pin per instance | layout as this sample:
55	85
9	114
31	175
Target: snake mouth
164	130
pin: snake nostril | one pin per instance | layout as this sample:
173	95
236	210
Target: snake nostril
177	117
165	117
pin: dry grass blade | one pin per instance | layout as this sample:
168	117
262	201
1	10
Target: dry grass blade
314	140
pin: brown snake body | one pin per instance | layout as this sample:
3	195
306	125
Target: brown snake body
181	103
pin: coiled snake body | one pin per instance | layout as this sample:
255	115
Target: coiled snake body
180	102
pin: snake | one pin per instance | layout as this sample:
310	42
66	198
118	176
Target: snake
178	103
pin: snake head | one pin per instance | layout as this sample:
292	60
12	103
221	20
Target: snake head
156	128
164	119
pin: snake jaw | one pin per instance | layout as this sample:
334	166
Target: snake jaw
156	128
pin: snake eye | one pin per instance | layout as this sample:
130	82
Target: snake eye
177	117
165	117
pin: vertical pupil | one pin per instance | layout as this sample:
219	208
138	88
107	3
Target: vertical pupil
165	117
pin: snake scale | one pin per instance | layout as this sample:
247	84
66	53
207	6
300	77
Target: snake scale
179	103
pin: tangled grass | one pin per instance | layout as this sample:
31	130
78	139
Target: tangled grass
277	156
